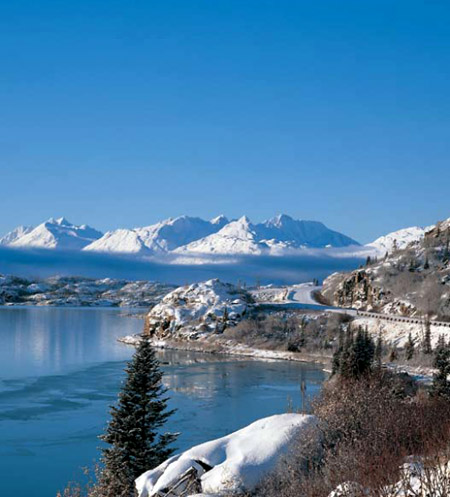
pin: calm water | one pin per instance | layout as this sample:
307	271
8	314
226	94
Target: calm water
60	369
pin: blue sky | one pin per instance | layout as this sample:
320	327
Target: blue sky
121	113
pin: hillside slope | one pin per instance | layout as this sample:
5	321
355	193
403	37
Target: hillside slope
413	281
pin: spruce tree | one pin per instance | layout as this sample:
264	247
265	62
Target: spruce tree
355	358
441	385
426	345
133	434
409	348
336	362
379	350
393	355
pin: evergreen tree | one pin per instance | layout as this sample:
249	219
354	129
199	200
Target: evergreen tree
225	317
379	350
393	356
336	362
441	385
355	358
133	433
426	345
409	348
446	254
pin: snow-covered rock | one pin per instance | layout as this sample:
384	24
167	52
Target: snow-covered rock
57	234
198	309
235	463
79	291
157	238
274	236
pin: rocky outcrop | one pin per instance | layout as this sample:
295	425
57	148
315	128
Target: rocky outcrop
197	310
358	290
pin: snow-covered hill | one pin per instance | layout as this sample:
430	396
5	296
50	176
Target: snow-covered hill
276	235
54	234
198	309
398	240
157	238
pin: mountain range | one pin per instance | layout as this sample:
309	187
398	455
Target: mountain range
187	236
183	235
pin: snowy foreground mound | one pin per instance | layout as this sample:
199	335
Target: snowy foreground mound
197	310
235	463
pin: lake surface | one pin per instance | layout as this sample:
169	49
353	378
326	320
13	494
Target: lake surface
61	368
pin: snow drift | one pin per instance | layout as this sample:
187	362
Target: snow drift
235	463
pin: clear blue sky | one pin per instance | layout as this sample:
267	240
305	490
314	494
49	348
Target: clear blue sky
121	113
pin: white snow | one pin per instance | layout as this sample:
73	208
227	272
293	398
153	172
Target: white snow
398	239
198	308
275	236
396	333
121	240
416	479
57	233
161	237
239	461
15	234
237	237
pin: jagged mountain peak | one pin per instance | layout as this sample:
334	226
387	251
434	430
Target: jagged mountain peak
57	234
184	234
219	220
60	221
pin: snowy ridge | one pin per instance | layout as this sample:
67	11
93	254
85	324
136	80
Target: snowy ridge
398	239
157	238
55	233
275	236
229	465
15	234
185	237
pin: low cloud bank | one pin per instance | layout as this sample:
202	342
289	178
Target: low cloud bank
265	269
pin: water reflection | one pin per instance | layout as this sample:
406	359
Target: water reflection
62	368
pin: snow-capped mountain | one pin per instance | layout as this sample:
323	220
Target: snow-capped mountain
15	234
297	234
158	238
398	239
55	234
184	235
272	236
237	237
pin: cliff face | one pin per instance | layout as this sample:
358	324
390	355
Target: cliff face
411	281
358	289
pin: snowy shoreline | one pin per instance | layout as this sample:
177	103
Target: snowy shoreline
230	348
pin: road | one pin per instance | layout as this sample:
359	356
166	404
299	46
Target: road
301	297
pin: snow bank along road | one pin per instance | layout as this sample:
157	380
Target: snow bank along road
301	296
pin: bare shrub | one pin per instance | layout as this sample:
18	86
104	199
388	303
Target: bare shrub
367	429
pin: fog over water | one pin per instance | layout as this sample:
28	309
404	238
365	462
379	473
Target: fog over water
267	269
